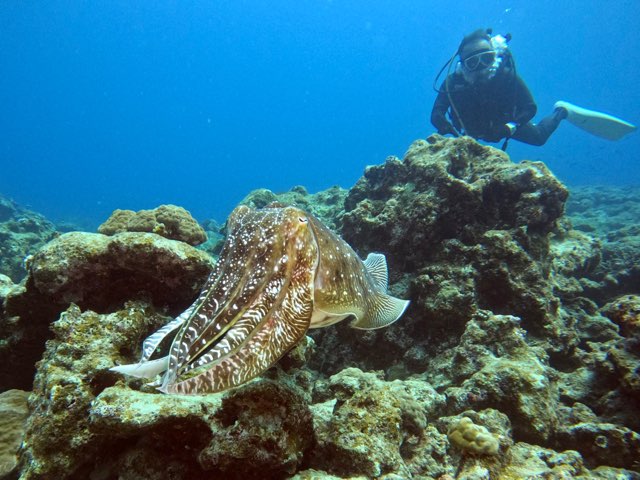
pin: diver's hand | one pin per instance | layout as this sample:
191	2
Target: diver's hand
448	129
510	128
498	132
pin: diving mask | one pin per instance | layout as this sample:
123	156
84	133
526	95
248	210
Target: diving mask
479	61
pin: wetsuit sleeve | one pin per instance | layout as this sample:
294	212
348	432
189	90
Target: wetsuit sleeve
525	105
439	114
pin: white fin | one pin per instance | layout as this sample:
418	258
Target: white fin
152	341
596	123
320	318
376	264
144	369
386	310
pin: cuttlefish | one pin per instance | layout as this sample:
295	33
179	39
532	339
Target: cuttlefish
280	272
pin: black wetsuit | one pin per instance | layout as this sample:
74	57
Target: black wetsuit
486	107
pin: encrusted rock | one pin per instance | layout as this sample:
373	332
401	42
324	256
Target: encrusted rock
625	312
59	442
263	431
449	189
326	205
602	443
22	233
463	228
371	427
169	221
99	272
13	416
610	214
96	272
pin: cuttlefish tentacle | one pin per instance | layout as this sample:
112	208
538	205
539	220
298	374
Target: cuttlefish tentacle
280	273
276	333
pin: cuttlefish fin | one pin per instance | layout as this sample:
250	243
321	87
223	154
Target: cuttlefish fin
376	265
147	369
385	310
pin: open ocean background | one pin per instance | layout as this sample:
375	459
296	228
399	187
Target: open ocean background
114	104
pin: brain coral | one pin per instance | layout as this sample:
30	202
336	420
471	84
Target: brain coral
475	438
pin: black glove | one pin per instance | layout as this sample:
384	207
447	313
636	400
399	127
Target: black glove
510	128
498	132
448	129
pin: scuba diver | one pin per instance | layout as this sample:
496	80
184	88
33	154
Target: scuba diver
486	99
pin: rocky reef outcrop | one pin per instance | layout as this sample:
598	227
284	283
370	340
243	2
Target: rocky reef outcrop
514	360
96	272
169	221
609	214
326	205
22	233
14	412
464	230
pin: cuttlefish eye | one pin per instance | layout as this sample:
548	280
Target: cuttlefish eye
303	219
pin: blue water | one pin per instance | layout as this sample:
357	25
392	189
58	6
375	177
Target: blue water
120	104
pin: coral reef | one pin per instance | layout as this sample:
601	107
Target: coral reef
326	205
366	426
475	438
97	272
518	357
168	221
22	233
463	229
13	416
106	430
611	215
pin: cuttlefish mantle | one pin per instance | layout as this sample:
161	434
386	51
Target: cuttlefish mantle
280	273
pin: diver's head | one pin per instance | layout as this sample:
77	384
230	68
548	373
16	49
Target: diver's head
477	56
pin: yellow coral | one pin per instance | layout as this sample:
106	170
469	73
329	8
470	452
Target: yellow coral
476	438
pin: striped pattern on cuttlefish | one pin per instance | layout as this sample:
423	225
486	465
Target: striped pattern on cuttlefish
280	272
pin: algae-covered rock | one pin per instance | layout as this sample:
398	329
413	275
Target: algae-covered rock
625	312
259	431
449	189
609	213
96	272
326	205
370	427
168	221
602	443
99	272
263	431
22	233
13	416
463	229
85	426
493	366
59	441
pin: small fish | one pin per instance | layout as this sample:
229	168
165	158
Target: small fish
280	273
